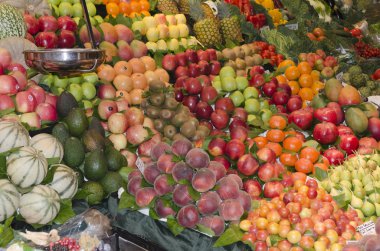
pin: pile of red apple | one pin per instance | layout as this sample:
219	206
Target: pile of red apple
22	96
268	51
50	32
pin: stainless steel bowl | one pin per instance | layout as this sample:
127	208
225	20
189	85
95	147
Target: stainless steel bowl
64	61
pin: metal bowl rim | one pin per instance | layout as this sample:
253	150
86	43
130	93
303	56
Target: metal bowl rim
67	50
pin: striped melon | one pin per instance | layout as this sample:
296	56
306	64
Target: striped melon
12	134
48	144
65	182
40	206
12	22
9	199
26	167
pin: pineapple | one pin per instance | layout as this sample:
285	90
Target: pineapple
229	25
168	7
206	29
184	7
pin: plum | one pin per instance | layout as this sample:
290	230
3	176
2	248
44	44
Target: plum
238	180
213	222
231	210
197	158
218	169
245	200
208	203
162	186
182	171
188	216
181	147
151	172
134	173
228	188
162	209
203	180
144	196
165	163
181	196
159	149
134	184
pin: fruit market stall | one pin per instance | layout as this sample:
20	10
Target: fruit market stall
189	125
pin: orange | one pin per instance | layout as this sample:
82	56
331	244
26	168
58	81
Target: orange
112	9
134	14
135	7
316	75
305	80
277	122
292	144
124	7
144	5
317	86
281	79
145	13
275	135
276	147
306	94
299	176
310	153
304	166
260	141
304	68
105	2
305	103
294	86
288	159
320	166
292	73
113	1
286	63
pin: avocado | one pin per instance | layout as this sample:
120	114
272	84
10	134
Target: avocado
96	125
115	159
74	152
61	132
95	165
77	121
65	103
93	140
111	182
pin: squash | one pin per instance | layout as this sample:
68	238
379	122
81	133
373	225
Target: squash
12	22
48	145
40	206
12	134
33	7
65	182
9	199
26	167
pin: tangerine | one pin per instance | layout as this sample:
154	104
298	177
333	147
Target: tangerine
275	135
277	122
304	166
288	159
112	9
310	153
305	80
281	79
292	144
292	73
317	86
304	68
294	86
275	147
260	141
306	93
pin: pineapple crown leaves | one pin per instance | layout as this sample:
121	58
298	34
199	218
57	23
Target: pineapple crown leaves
196	11
223	10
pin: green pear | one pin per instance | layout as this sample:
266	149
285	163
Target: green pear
372	218
361	173
368	208
374	198
346	184
376	174
335	192
376	157
326	184
377	207
357	183
359	192
339	168
360	214
347	194
345	175
335	178
371	164
369	188
354	173
356	202
367	179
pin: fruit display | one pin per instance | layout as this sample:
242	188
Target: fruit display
131	9
354	183
363	82
194	190
71	8
367	243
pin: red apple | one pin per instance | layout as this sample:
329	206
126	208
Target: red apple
21	79
25	102
194	70
5	58
349	143
192	56
67	23
32	119
239	132
47	23
203	55
191	102
106	108
235	149
257	80
8	85
48	40
212	54
209	94
181	71
237	122
266	172
219	119
224	161
338	110
225	104
203	110
326	114
240	113
31	24
253	188
269	89
66	39
106	91
334	156
169	62
205	80
294	104
247	165
51	99
38	92
181	59
266	154
204	67
13	66
215	67
273	189
287	180
47	112
280	98
216	147
257	69
302	118
325	133
342	130
180	82
178	95
193	86
374	127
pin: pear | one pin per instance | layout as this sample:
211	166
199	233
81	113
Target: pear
361	173
374	198
376	157
357	183
377	208
360	214
367	179
376	174
334	177
339	168
345	175
354	173
369	188
359	192
335	192
356	202
372	218
326	184
368	208
346	184
371	164
347	194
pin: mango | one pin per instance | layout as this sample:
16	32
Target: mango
349	95
332	89
356	120
370	110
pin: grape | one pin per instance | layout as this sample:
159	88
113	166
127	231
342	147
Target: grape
197	158
181	147
208	203
165	163
144	196
163	210
228	188
161	185
214	222
238	180
218	169
182	171
203	180
181	196
245	200
188	216
134	184
159	149
151	172
231	210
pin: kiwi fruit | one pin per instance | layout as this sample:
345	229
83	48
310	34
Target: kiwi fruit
171	103
194	121
240	64
184	109
153	112
157	99
166	114
170	131
197	136
179	119
204	129
178	136
159	124
144	103
188	129
156	85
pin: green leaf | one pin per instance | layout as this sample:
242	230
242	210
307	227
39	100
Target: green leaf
205	230
3	167
320	174
127	201
153	214
6	235
6	111
339	199
176	158
312	143
81	194
152	4
158	56
125	171
193	194
174	226
184	182
50	175
65	213
115	59
275	239
206	142
231	235
171	181
53	161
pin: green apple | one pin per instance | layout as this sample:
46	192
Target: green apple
217	85
228	84
227	71
139	26
60	82
47	80
76	20
93	21
242	83
90	77
173	44
76	91
91	9
152	46
152	34
55	10
75	1
57	90
77	10
266	114
237	98
87	104
264	104
76	80
88	90
98	19
250	92
252	105
252	119
66	1
162	46
54	2
65	9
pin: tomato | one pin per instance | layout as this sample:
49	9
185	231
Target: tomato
356	32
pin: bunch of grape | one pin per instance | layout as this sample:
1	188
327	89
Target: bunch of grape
65	244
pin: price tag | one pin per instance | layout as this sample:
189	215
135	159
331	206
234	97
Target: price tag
340	76
292	26
367	228
212	6
374	99
140	164
266	27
